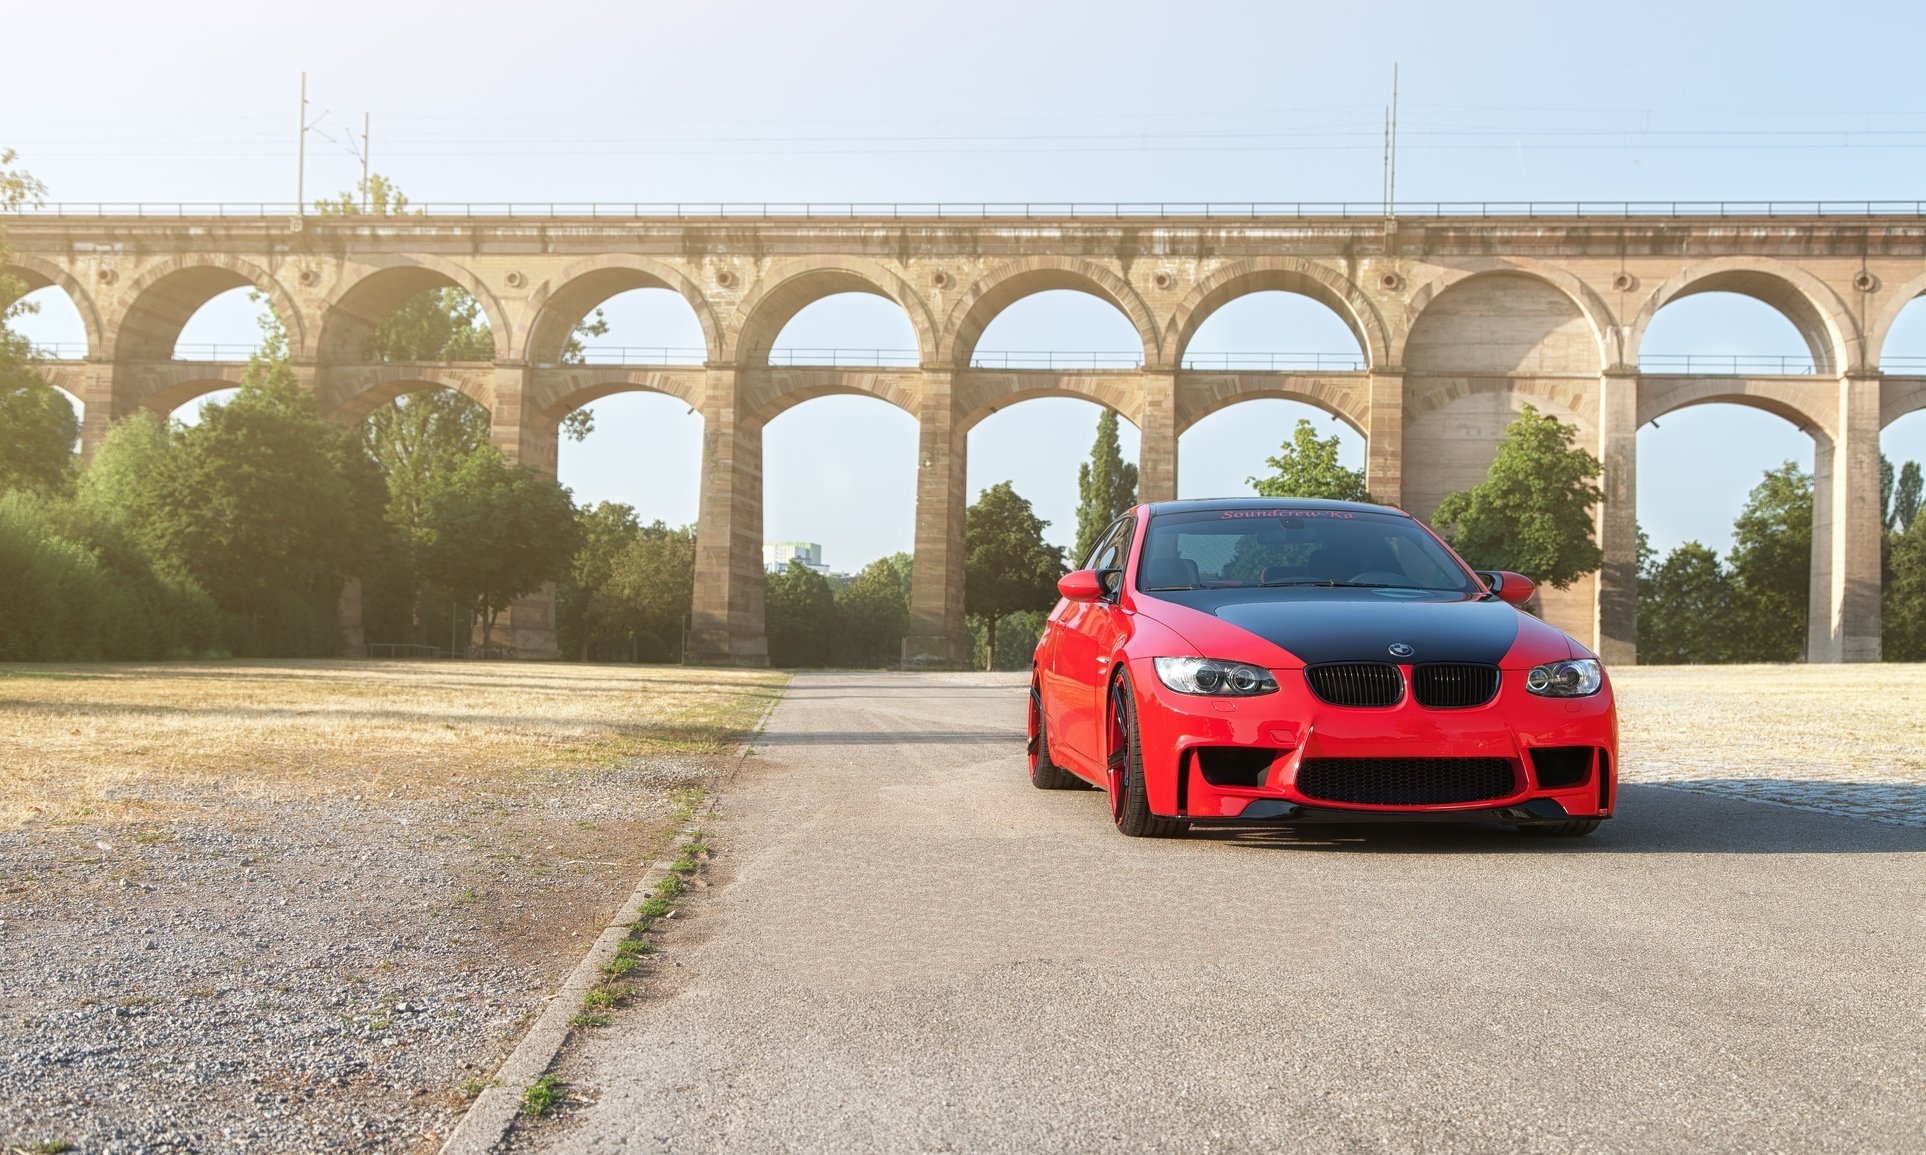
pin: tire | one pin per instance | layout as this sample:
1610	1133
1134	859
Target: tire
1129	799
1045	774
1577	828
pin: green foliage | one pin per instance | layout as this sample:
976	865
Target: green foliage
78	590
1016	640
1007	567
799	615
1533	512
636	612
493	531
1900	500
37	423
1686	608
872	617
374	195
1771	568
607	529
442	324
1903	629
1307	466
1106	486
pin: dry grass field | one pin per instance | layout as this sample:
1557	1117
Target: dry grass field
117	742
1839	739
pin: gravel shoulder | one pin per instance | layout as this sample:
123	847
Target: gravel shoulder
331	957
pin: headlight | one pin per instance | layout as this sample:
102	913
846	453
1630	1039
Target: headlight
1573	679
1210	676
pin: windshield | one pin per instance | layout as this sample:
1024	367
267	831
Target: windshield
1237	548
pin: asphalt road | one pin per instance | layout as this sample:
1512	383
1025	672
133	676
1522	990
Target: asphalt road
910	949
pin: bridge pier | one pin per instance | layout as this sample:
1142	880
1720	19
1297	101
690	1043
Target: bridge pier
1384	437
1615	597
1847	529
938	636
528	438
1157	452
726	618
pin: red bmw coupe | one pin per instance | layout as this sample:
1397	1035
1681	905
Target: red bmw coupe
1282	661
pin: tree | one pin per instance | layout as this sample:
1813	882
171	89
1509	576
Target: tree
1307	466
1685	609
1903	624
799	614
872	616
607	529
1007	566
494	531
1533	512
1106	486
650	585
1771	567
1902	500
37	425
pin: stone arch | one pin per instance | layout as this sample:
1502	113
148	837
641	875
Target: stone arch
1896	303
1821	318
1795	401
988	393
167	293
353	398
1599	324
776	391
168	387
34	273
787	289
1201	396
1900	396
568	389
1002	287
1319	282
560	303
356	307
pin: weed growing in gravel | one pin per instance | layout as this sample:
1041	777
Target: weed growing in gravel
474	1087
588	1019
609	993
47	1147
542	1096
606	996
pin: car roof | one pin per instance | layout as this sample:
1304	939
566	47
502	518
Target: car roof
1212	504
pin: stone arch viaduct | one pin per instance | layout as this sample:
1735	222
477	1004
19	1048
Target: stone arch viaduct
1460	320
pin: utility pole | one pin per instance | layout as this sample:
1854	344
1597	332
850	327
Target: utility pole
301	154
1391	158
365	118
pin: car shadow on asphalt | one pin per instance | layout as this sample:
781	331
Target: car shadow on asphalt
1650	820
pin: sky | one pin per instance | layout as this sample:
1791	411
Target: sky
998	101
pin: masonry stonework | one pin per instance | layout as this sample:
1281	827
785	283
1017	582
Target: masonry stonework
1460	321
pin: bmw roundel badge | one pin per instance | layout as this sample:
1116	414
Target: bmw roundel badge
1401	650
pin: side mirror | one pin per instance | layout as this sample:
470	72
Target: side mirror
1081	585
1513	588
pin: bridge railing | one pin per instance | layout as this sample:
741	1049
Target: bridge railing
1005	210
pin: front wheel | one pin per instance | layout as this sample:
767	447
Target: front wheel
1045	774
1129	799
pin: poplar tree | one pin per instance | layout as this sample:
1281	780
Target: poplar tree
1106	486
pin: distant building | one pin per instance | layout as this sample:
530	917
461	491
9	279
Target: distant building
776	555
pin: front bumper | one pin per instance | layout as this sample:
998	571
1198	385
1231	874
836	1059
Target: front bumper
1182	734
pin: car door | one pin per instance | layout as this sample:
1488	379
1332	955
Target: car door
1086	635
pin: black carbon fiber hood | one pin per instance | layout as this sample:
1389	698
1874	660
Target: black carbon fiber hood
1345	625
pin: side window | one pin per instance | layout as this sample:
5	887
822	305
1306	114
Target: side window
1107	553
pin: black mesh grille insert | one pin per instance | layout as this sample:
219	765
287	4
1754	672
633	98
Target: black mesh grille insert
1356	683
1558	766
1453	685
1405	781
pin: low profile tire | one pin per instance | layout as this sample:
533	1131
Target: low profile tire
1577	828
1045	774
1129	799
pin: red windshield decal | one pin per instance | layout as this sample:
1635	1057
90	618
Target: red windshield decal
1291	513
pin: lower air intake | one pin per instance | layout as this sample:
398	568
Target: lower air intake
1406	781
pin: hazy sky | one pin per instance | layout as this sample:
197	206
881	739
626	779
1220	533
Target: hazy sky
998	101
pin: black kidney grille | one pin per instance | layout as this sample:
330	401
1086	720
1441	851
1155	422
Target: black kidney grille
1356	683
1405	781
1453	685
